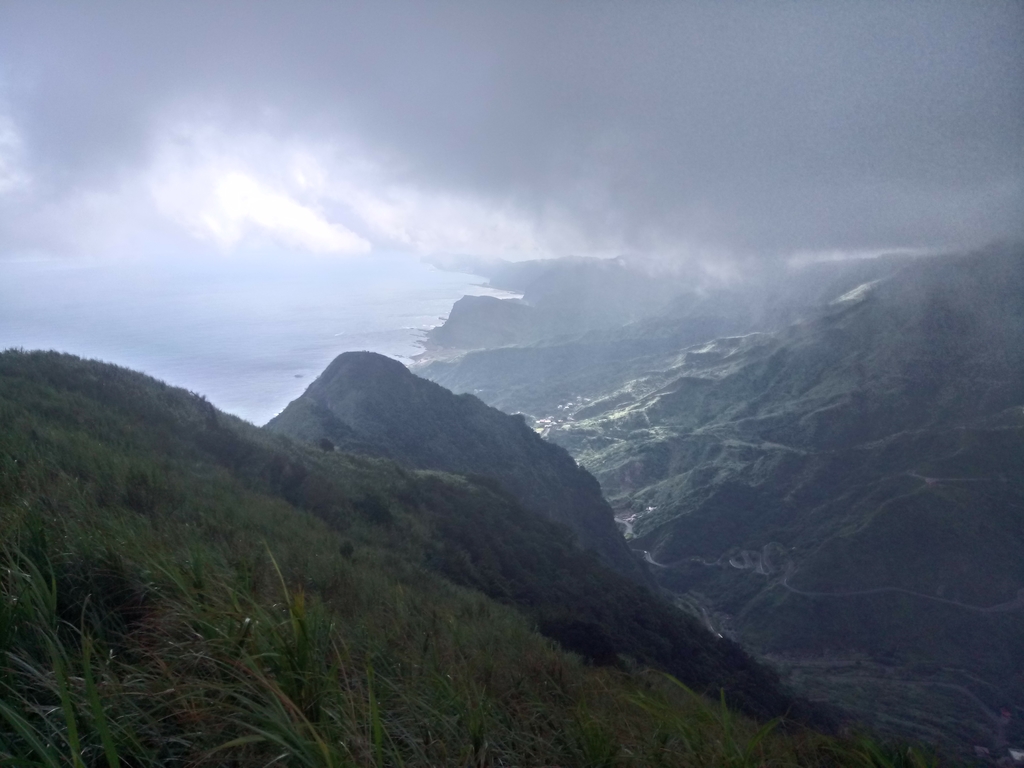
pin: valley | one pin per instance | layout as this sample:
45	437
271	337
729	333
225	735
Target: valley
836	478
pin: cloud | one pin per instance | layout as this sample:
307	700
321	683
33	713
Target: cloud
241	200
12	173
209	185
521	128
326	197
427	221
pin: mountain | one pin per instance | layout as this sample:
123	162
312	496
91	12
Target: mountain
850	485
179	587
838	488
535	373
560	297
368	403
483	321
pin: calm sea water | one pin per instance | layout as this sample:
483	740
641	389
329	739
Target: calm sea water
249	335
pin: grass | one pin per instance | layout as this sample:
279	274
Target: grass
211	672
214	672
178	589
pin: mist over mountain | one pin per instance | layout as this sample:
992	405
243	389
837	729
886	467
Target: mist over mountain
560	297
580	355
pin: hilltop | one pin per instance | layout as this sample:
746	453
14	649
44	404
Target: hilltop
368	403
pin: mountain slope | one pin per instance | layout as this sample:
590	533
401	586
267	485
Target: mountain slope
827	465
850	485
368	403
245	597
564	368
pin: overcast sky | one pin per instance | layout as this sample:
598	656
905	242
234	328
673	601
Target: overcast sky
515	129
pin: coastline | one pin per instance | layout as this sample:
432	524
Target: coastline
431	352
250	342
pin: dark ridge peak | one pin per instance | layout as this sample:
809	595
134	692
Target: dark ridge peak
367	403
364	364
356	378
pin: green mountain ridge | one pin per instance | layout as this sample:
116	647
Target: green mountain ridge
180	587
369	403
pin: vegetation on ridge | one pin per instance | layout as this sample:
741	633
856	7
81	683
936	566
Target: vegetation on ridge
368	403
179	588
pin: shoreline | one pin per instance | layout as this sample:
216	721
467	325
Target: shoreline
431	352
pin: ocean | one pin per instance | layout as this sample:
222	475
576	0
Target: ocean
249	334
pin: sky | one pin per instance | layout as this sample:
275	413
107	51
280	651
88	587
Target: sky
510	129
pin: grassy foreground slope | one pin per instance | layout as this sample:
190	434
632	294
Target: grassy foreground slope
179	587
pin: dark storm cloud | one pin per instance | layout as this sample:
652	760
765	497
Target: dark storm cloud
643	126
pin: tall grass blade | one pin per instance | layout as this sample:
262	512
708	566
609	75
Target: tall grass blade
376	726
24	729
69	711
109	748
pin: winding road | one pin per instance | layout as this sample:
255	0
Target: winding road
934	480
1014	604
